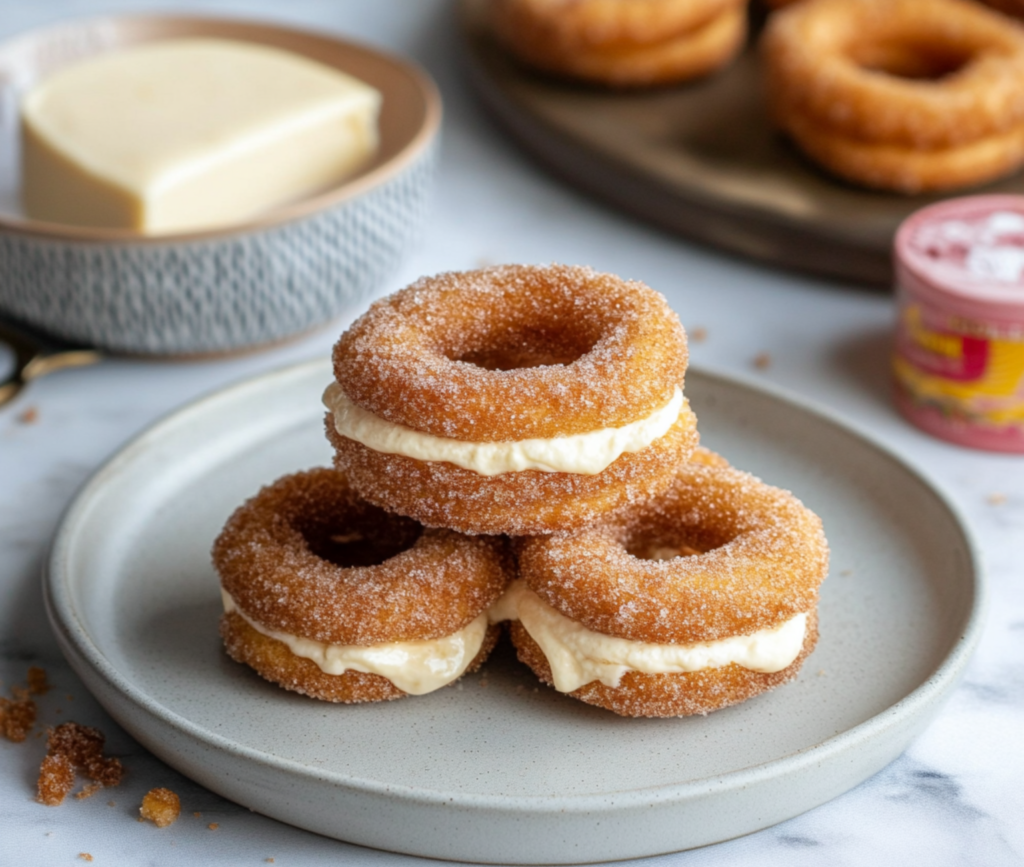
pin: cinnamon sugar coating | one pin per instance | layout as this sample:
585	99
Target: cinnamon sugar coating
764	557
443	495
308	557
514	352
667	695
273	661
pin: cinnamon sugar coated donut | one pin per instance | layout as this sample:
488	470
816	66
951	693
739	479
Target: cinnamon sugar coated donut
328	595
622	43
907	95
519	399
704	596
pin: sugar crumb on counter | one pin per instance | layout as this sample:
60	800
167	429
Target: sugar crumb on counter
72	747
161	807
85	856
29	415
996	498
213	826
56	779
763	360
17	715
37	681
697	334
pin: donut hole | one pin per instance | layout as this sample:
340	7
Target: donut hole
519	358
657	549
365	538
655	540
914	60
529	345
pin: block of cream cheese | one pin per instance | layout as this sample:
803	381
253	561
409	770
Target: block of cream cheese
189	134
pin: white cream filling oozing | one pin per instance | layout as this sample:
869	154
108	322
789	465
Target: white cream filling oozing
579	656
415	667
582	454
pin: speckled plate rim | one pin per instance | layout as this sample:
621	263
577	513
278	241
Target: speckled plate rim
65	620
246	30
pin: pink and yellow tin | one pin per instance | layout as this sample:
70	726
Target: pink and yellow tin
959	356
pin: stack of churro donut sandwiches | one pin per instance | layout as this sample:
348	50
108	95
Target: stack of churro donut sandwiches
513	445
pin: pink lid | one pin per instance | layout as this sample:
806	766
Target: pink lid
967	255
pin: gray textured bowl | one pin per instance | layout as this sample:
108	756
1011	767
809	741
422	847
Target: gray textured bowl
222	290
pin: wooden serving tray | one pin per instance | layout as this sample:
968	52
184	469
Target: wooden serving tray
699	159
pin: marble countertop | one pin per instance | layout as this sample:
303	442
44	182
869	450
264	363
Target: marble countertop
955	797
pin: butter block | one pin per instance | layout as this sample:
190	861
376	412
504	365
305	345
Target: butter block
189	134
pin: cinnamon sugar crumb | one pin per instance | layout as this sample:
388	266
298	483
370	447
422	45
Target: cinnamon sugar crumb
213	826
30	416
88	790
996	498
198	815
37	682
698	334
17	715
72	746
81	744
161	806
762	361
85	856
56	778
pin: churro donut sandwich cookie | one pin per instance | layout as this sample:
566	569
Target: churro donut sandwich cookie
327	595
903	95
698	599
518	399
622	43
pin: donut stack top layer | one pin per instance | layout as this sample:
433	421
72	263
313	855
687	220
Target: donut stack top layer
516	400
514	353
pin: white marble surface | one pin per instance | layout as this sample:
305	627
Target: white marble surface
954	798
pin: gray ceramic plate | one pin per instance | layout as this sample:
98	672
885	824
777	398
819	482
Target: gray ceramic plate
497	770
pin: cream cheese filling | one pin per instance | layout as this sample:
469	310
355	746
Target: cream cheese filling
579	656
415	667
583	454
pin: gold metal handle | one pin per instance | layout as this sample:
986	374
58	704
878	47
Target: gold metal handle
35	357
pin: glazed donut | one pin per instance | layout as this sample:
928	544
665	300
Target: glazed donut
518	399
896	93
622	43
700	598
323	592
